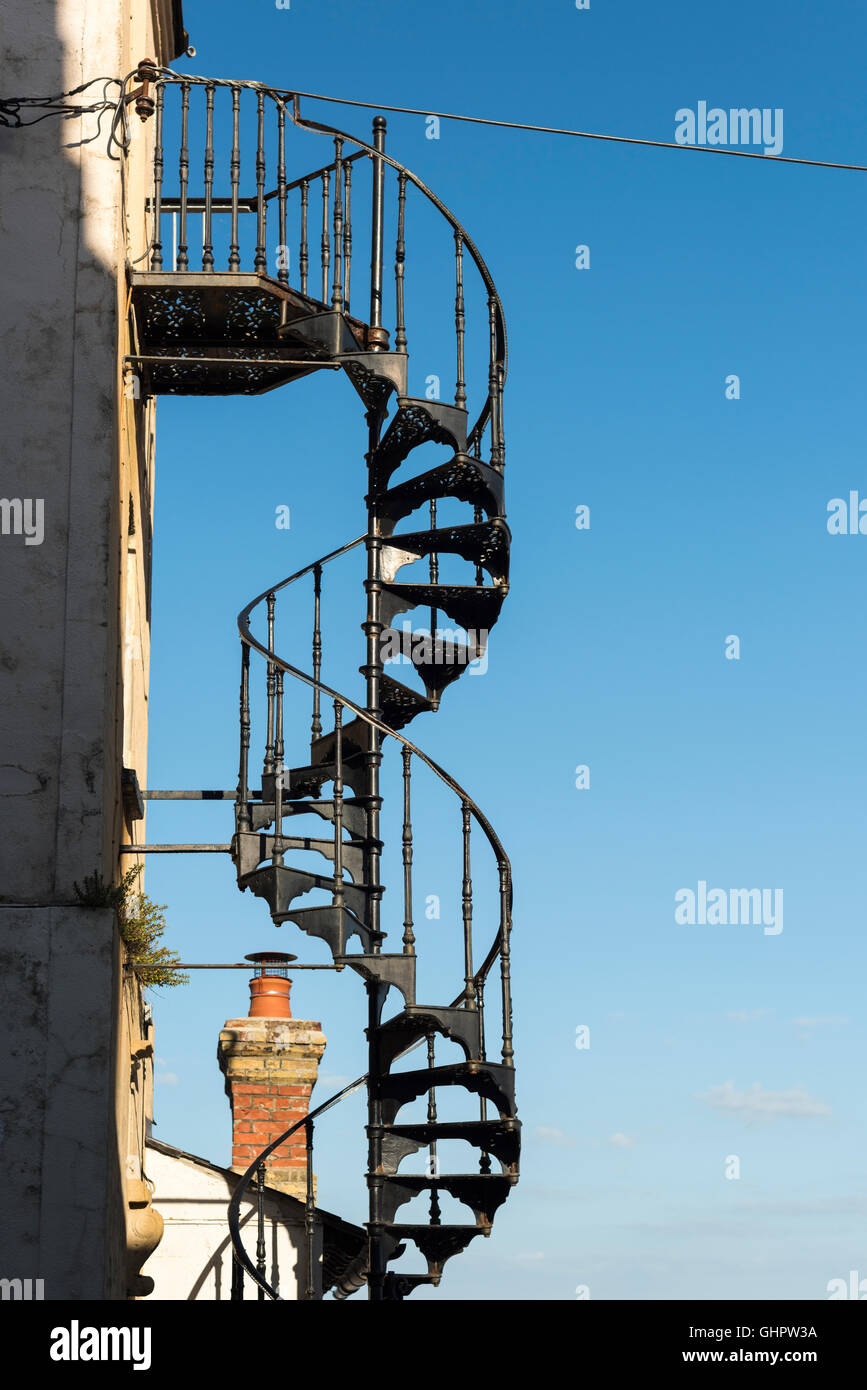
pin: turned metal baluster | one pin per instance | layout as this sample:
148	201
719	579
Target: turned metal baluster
325	242
268	766
347	234
495	388
235	176
282	269
279	843
244	820
338	805
261	1267
460	320
478	518
237	1281
309	1216
260	262
484	1158
183	260
505	965
378	338
207	227
434	567
157	246
337	288
467	910
408	935
304	258
433	1162
399	265
316	725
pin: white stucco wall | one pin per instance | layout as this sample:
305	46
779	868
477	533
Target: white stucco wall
193	1261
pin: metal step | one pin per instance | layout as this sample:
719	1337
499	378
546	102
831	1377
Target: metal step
483	1193
354	815
437	1243
416	422
502	1138
327	333
464	477
280	885
386	970
334	925
491	1080
416	1021
474	607
375	375
484	543
251	848
438	661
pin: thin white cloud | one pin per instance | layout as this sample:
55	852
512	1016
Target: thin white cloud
621	1141
547	1134
818	1022
167	1078
758	1103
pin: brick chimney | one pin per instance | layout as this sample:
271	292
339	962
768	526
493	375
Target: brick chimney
270	1061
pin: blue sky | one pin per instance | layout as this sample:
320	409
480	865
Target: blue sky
708	519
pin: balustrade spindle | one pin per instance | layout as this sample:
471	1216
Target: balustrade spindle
183	260
325	242
467	910
338	805
337	288
478	518
376	239
235	176
303	258
282	269
316	725
433	1161
270	686
460	321
309	1216
495	388
505	964
260	262
347	234
279	844
261	1267
157	245
207	227
244	820
484	1157
433	567
399	266
408	935
237	1295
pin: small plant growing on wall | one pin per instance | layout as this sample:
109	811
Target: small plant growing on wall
141	923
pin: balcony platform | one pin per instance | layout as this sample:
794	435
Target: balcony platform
218	333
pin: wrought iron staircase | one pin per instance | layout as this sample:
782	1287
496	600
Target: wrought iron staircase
213	332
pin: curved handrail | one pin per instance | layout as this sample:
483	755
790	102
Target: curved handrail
283	97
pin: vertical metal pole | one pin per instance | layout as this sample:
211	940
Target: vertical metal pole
337	900
399	266
235	176
316	725
505	964
304	258
261	1267
433	1161
244	820
183	259
377	237
310	1217
337	287
207	232
282	269
376	1252
460	321
279	846
467	911
408	935
157	245
260	262
325	244
347	233
268	766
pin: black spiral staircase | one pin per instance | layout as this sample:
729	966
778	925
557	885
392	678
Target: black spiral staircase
212	332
